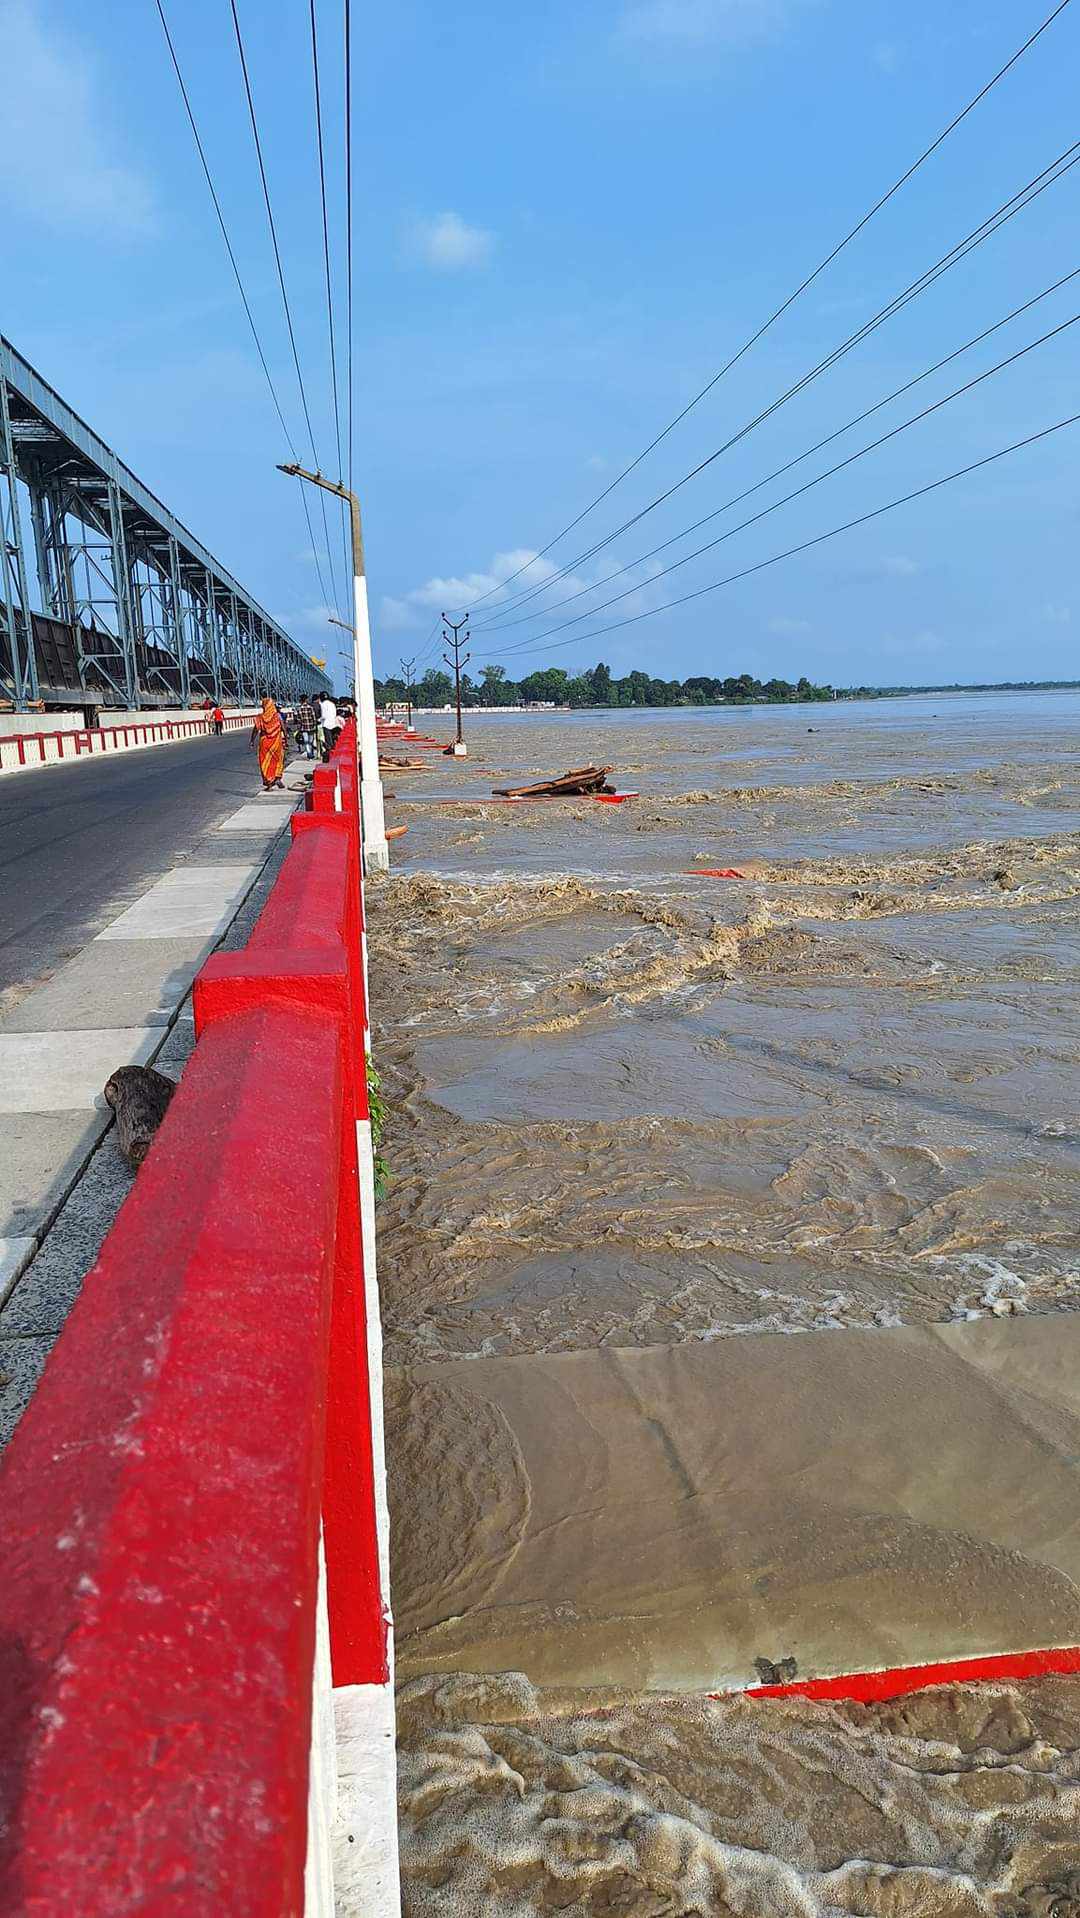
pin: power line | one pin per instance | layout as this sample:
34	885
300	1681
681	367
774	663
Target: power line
349	229
326	265
861	453
280	270
200	149
984	231
1050	175
326	233
820	538
792	297
430	644
778	471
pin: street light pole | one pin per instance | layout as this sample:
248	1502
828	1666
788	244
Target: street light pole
346	627
376	851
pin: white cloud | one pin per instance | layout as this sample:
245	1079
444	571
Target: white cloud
60	164
449	244
445	593
316	618
397	616
522	570
886	55
789	628
1056	614
697	23
596	463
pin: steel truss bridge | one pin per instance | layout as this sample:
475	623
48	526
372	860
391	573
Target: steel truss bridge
133	610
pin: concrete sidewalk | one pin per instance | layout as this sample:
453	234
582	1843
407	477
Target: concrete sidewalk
121	1000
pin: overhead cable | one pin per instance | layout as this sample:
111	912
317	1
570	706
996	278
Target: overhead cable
806	545
1018	202
349	233
935	407
280	273
777	473
796	294
328	276
200	149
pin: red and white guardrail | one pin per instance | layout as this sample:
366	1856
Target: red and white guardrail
211	1411
19	751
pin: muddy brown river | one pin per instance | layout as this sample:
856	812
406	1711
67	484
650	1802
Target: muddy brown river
633	1105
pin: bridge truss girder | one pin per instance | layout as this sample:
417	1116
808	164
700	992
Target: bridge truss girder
153	618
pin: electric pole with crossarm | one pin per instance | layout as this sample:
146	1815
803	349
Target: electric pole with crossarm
454	640
407	674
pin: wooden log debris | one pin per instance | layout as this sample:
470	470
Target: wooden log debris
139	1096
581	784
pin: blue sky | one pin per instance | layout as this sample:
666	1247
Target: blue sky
567	218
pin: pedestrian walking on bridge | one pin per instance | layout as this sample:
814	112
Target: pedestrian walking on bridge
306	723
331	724
268	734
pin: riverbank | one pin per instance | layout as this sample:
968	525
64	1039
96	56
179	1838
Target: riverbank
636	1110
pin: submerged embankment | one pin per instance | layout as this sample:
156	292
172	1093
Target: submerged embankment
636	1107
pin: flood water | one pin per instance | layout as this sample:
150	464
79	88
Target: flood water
636	1105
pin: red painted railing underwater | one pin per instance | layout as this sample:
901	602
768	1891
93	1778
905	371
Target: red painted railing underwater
204	1408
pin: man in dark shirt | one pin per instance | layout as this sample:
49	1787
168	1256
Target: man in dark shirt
305	726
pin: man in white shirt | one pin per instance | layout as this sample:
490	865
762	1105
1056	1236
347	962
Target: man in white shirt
331	724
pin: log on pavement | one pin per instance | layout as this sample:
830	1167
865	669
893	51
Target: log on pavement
139	1096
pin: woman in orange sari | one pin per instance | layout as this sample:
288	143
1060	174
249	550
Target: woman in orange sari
268	734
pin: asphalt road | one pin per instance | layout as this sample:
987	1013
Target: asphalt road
79	842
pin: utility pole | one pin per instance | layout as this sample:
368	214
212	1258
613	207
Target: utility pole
407	670
376	850
346	628
451	636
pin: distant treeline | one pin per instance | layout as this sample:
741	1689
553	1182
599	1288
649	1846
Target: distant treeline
599	687
974	686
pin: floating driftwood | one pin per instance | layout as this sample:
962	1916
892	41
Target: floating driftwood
139	1096
582	784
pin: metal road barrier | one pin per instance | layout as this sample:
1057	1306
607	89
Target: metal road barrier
207	1415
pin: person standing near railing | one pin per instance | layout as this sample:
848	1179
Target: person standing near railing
331	725
268	735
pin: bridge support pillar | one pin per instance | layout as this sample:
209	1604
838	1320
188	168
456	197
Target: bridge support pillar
125	627
21	666
179	623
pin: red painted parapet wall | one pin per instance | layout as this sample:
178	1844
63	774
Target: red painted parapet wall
205	1406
